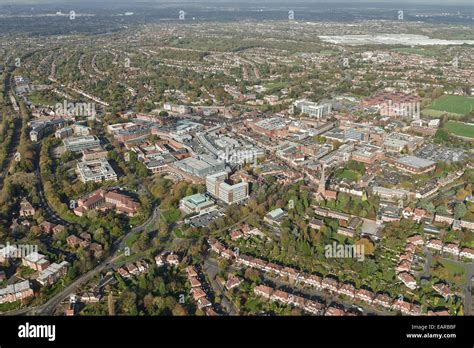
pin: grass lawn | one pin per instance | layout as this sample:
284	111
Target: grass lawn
273	87
130	241
454	104
252	305
43	98
172	215
350	175
436	113
25	271
328	52
454	271
421	51
4	307
460	128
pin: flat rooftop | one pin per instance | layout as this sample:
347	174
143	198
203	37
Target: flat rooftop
415	162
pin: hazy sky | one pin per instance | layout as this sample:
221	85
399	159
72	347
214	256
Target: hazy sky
255	2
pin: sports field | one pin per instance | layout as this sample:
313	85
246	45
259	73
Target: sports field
460	128
455	104
420	51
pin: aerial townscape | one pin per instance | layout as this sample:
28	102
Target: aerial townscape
240	159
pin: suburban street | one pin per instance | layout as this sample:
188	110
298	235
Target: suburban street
466	287
49	213
211	268
49	307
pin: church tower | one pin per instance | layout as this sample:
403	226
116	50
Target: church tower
322	182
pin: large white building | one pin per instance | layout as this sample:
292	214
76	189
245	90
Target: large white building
96	171
197	203
312	109
77	144
218	188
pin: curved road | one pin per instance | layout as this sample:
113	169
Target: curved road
48	307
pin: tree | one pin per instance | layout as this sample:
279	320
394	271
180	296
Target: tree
148	303
462	193
179	310
459	210
428	206
441	135
442	209
366	245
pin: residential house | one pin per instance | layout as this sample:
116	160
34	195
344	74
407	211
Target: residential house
195	283
443	290
407	279
198	293
416	240
203	303
233	282
35	261
280	296
264	291
330	284
403	266
451	249
191	271
46	226
364	295
332	311
53	273
468	253
16	292
26	209
435	244
383	300
402	306
172	259
348	290
58	229
314	307
73	241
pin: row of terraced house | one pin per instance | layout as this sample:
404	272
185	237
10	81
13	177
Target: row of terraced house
307	305
198	293
327	283
405	261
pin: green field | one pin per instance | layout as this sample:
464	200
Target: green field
273	87
419	51
455	272
350	175
460	128
328	52
453	104
436	113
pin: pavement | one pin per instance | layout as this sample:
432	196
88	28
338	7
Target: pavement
428	263
211	268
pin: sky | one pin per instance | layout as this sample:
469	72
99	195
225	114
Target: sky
256	2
